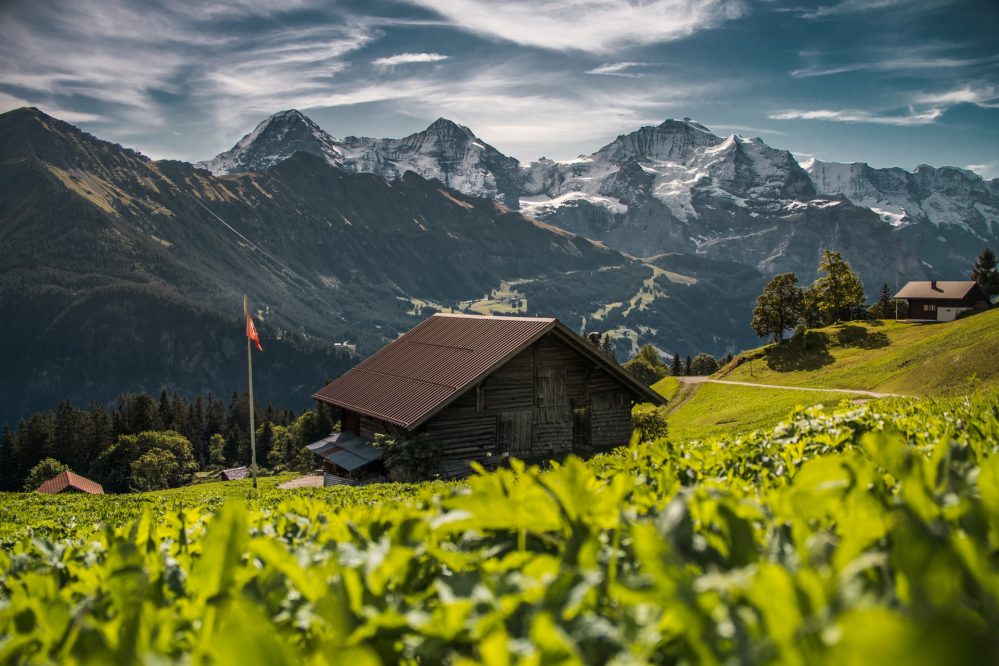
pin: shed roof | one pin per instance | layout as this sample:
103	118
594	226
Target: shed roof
346	450
68	480
235	473
412	378
939	289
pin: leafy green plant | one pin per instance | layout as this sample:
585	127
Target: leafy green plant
870	535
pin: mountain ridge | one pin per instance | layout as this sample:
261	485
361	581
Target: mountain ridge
678	187
123	273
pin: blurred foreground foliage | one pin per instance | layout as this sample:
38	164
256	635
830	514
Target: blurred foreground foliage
865	536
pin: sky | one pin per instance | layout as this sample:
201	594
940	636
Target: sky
888	82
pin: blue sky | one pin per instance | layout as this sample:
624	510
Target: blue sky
889	82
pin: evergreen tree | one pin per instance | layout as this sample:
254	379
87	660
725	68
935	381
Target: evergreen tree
607	347
99	437
840	291
676	370
985	273
779	307
883	309
686	366
8	461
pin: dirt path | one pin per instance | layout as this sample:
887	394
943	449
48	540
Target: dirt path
693	381
308	481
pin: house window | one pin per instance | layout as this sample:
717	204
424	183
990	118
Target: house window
480	398
931	308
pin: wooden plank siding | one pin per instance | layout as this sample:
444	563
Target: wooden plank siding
546	402
528	409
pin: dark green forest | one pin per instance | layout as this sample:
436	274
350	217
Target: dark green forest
205	434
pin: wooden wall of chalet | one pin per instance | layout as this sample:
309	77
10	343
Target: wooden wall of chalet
545	403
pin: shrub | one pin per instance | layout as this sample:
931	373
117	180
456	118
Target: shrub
703	364
43	471
409	458
154	470
114	466
650	421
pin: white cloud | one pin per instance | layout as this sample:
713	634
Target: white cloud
913	117
985	169
856	6
407	58
619	69
596	26
986	97
893	64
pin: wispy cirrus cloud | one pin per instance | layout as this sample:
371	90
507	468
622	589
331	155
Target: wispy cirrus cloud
857	6
892	59
912	117
986	97
595	26
622	69
408	58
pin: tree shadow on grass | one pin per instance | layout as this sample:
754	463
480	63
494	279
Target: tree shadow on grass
805	351
851	335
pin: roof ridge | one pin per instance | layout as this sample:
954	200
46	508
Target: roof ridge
463	315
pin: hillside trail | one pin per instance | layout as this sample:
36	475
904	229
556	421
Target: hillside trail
693	381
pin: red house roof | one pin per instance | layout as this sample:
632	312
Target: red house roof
412	378
69	481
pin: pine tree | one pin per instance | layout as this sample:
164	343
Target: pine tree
686	366
780	307
884	307
8	461
676	369
985	273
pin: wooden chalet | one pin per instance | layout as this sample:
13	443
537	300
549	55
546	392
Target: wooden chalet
483	388
68	482
936	300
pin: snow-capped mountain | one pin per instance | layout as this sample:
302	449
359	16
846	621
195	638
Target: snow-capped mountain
445	150
678	187
273	141
674	162
947	214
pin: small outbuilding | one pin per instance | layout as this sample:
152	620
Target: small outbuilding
938	300
483	388
68	482
234	473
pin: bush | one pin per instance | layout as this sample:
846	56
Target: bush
42	472
114	467
647	366
154	470
409	458
650	421
703	364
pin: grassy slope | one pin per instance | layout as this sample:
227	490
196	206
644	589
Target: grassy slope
667	387
722	409
891	357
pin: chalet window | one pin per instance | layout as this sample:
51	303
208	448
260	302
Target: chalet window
931	308
480	398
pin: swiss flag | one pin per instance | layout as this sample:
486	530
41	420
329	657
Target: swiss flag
251	331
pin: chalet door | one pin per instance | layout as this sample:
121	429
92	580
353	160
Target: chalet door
581	430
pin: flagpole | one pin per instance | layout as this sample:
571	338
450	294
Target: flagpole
249	373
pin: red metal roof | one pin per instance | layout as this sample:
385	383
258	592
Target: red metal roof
939	289
410	379
427	366
68	480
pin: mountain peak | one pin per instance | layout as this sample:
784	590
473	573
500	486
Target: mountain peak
273	140
443	127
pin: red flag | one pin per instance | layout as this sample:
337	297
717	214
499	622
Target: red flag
251	331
